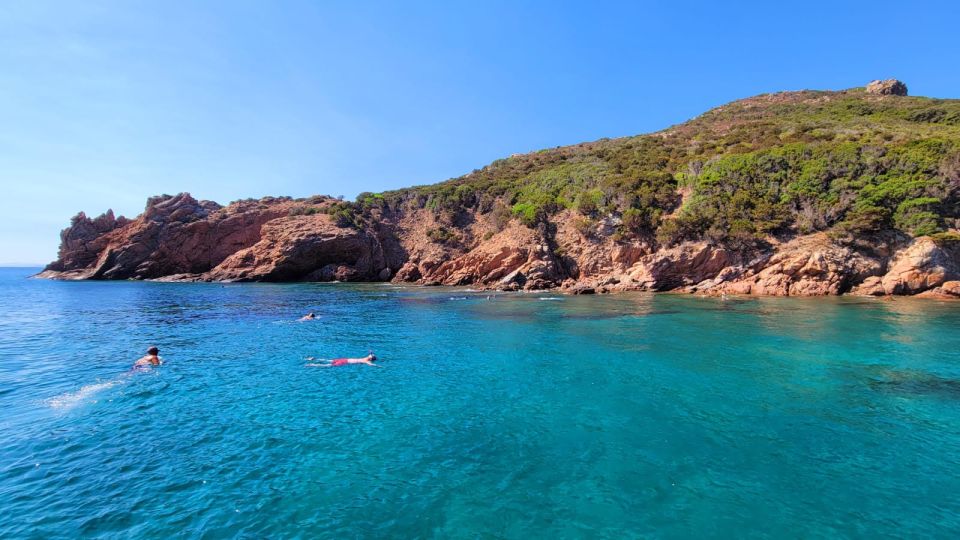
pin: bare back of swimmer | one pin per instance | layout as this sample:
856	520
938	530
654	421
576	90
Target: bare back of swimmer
337	362
152	358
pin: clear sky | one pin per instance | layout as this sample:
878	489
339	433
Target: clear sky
103	104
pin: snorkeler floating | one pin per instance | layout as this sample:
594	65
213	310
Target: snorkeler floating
309	317
337	362
152	358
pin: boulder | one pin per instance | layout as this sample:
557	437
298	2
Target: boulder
687	264
951	288
581	288
872	286
922	265
409	272
516	258
888	87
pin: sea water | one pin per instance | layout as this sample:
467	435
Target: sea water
494	415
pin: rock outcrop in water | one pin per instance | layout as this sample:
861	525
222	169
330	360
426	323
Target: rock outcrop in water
178	238
791	194
83	241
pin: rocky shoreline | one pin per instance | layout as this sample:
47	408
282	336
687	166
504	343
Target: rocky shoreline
178	238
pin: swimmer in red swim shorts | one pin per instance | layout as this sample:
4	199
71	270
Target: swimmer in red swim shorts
337	362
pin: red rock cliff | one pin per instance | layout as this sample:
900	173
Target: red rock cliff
178	238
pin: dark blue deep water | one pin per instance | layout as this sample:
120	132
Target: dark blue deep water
513	415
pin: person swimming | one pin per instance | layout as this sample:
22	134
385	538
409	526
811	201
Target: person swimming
152	358
367	360
309	316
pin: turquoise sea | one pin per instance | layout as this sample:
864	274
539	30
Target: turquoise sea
502	415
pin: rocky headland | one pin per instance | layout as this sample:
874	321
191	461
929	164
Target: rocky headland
791	194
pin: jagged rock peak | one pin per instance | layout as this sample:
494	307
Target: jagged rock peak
81	225
180	207
888	87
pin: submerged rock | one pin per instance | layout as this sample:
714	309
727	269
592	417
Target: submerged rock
917	383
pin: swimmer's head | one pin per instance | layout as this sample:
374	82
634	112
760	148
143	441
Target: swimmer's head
153	351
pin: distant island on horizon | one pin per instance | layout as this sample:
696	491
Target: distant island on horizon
806	193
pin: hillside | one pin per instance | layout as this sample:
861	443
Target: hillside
810	193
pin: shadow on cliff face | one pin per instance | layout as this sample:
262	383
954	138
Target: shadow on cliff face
916	383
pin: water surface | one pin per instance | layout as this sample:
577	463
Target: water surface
495	415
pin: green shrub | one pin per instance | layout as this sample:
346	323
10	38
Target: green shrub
635	220
918	216
304	210
367	200
669	232
345	214
951	239
442	235
528	213
584	225
865	219
588	202
501	216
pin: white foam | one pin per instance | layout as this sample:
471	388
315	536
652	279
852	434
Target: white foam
70	400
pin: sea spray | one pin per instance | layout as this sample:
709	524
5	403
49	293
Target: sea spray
85	394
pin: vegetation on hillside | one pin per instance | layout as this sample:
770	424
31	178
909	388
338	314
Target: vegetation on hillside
846	162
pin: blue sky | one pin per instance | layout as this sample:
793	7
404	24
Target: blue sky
103	104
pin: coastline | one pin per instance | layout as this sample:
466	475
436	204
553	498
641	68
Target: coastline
180	239
937	293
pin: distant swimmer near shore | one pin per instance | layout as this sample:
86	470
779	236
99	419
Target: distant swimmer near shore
367	360
309	317
152	358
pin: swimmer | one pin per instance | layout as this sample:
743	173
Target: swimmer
152	358
367	360
309	317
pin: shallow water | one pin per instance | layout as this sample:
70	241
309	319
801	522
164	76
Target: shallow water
494	415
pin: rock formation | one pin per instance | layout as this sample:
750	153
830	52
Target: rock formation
181	239
84	239
889	87
178	238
